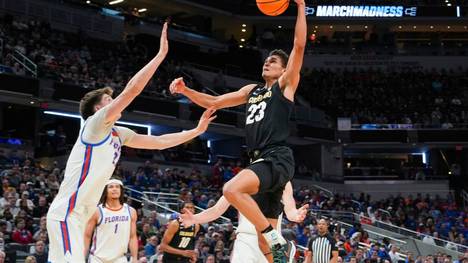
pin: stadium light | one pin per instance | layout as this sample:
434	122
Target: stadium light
76	116
142	10
115	2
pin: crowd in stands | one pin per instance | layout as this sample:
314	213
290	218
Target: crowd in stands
80	60
28	187
412	96
366	96
428	215
425	98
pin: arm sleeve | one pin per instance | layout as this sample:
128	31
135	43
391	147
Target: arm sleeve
96	129
125	134
309	244
333	244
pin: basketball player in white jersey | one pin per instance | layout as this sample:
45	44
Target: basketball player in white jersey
94	156
112	228
247	248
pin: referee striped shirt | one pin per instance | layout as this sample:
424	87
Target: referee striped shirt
322	248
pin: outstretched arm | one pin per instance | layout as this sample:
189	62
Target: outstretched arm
290	78
165	141
292	213
138	82
227	100
210	214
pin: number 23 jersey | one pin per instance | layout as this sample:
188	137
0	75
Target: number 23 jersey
267	117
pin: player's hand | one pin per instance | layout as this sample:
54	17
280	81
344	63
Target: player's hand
177	86
194	258
300	2
300	214
187	218
163	43
190	254
205	120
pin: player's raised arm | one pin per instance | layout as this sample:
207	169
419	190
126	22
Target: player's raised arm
290	78
138	82
292	213
172	139
227	100
187	218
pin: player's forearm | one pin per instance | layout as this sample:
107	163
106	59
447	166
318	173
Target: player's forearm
212	213
173	139
138	82
133	246
300	33
291	214
199	98
289	203
87	243
205	217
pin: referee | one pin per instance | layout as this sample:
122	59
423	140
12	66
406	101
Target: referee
322	248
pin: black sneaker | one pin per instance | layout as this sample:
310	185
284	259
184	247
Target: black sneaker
279	253
284	253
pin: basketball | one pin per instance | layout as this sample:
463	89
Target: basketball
272	7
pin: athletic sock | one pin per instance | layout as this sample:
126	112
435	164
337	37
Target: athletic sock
274	238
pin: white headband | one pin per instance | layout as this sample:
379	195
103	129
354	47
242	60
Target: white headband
115	181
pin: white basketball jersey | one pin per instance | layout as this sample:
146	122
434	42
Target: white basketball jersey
89	168
112	233
246	227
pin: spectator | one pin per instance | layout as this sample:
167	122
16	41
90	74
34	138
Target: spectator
42	228
394	254
210	259
150	247
30	259
145	234
42	208
428	239
40	252
21	234
25	203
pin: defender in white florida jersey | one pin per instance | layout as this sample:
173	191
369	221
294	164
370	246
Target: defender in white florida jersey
247	248
94	156
112	228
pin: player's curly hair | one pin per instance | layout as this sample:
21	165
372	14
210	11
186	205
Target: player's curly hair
90	99
282	55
